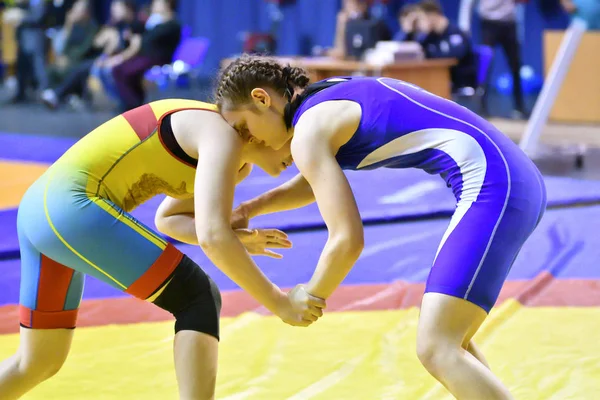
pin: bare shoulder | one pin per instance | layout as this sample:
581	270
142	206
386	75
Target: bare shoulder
192	128
199	120
335	121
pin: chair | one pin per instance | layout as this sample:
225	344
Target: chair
191	52
189	55
186	32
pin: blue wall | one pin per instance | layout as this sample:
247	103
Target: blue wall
312	22
306	24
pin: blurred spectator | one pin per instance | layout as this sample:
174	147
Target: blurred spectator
114	43
128	35
407	19
29	18
144	12
442	39
159	42
57	12
352	10
74	42
499	28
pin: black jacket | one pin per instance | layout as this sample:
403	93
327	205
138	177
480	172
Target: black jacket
454	43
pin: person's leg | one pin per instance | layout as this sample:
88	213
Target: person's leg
105	74
473	260
40	356
510	44
100	239
448	320
72	83
55	75
443	326
75	80
196	356
129	80
39	69
472	348
489	37
23	68
195	302
50	294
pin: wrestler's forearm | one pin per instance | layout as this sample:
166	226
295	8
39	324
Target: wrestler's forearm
181	227
337	259
226	251
295	193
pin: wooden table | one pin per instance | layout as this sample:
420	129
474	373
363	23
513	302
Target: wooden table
8	44
431	75
579	97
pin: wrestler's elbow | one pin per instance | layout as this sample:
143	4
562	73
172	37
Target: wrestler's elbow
213	236
163	224
351	242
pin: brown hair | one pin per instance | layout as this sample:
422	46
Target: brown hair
431	6
238	79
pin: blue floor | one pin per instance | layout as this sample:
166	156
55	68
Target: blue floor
383	196
565	244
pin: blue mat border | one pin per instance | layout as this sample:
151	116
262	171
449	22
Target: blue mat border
40	148
297	228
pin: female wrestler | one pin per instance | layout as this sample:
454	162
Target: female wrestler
366	123
74	221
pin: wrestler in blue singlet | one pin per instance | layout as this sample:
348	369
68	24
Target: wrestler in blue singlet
499	191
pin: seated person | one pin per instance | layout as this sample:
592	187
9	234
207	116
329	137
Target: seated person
74	42
444	40
352	10
126	39
159	42
113	44
28	18
407	17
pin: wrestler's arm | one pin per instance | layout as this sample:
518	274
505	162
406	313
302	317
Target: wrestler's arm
316	141
175	217
295	193
216	172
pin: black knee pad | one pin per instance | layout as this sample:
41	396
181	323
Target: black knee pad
193	299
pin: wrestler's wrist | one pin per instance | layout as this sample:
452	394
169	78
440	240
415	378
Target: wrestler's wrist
249	209
278	299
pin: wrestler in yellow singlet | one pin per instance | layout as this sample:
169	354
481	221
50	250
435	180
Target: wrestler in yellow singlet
74	221
78	210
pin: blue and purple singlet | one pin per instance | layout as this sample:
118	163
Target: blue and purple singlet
499	191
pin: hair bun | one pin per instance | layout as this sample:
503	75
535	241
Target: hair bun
297	76
286	73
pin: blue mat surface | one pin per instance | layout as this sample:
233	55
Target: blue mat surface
386	195
565	244
37	148
383	195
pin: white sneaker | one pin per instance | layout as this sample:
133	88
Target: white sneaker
49	98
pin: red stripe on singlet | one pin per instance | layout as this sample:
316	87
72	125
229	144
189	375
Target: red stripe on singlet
143	121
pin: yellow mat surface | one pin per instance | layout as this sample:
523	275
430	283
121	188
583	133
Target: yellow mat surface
16	179
541	353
